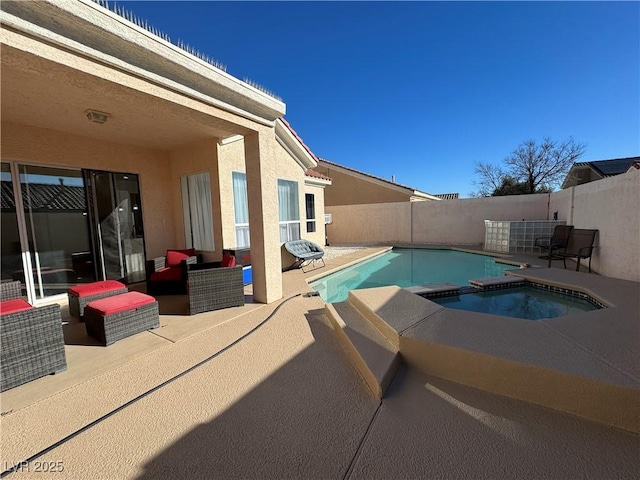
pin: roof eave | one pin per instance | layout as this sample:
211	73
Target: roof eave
293	146
88	21
317	181
377	180
425	196
575	168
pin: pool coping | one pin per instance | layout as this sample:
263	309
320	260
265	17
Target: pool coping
331	271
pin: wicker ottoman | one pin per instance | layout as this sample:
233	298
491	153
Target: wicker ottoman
81	295
113	318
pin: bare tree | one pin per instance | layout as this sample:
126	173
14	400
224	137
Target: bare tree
491	178
539	167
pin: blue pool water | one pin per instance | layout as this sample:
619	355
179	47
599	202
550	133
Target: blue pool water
523	302
407	267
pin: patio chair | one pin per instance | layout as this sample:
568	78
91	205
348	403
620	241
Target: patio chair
31	338
557	241
168	275
579	246
211	286
305	252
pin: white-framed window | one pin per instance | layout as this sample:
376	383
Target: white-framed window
289	210
310	204
197	211
241	209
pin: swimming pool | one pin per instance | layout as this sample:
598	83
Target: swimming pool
408	267
521	302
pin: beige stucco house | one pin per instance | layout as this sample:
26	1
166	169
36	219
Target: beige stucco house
353	187
117	145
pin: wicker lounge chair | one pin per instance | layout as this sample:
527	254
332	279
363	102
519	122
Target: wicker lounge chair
579	246
213	287
31	338
558	241
305	252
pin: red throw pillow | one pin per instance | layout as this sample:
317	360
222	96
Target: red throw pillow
228	261
174	258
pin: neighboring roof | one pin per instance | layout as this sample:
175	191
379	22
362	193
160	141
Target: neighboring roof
43	197
447	196
608	168
408	190
602	168
313	173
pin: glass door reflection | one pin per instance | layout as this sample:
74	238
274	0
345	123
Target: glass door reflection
9	236
117	233
56	227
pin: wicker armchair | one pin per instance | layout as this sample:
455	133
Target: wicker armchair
31	338
165	278
10	290
211	287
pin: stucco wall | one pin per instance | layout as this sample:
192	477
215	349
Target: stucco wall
461	221
447	222
318	236
560	202
349	190
199	157
611	205
372	223
22	143
232	158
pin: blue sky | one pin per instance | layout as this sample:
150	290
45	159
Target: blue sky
422	90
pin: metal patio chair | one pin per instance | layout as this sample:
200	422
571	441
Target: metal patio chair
579	246
557	241
305	252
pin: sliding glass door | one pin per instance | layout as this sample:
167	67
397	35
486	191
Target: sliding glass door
55	227
115	219
10	235
62	227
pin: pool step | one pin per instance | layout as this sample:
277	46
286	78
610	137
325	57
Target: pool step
496	282
392	310
373	355
434	289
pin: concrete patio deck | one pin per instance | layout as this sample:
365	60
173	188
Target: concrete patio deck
286	402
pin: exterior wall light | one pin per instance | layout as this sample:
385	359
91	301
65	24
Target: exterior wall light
96	117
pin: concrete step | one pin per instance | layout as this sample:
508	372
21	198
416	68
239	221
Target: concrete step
373	355
392	310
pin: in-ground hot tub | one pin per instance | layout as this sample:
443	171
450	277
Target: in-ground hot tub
527	301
